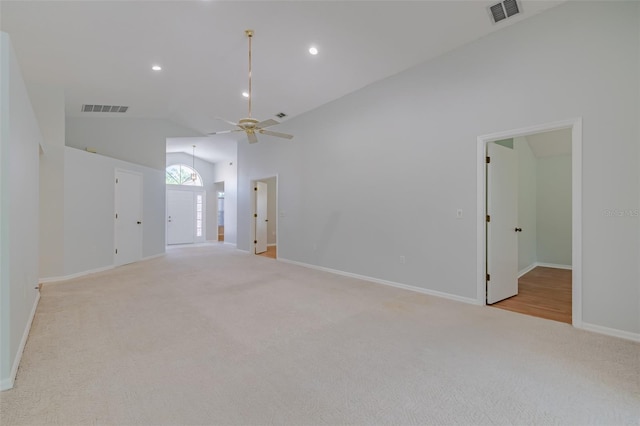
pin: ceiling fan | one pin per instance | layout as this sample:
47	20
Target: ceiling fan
250	125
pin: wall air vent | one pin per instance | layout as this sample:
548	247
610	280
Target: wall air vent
104	108
504	10
281	115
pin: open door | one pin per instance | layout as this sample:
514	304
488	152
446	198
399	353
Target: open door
261	217
502	217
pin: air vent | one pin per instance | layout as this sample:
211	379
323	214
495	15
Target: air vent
104	108
503	10
281	115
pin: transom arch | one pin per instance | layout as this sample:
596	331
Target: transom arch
181	174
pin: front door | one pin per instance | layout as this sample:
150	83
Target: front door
180	217
502	217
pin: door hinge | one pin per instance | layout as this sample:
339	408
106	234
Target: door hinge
488	160
255	241
116	180
488	218
488	277
116	251
116	215
255	215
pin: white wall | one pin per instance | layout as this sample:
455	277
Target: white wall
48	104
207	173
413	138
19	151
89	210
136	140
527	195
554	210
227	172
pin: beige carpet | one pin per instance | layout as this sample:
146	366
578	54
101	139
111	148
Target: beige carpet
210	335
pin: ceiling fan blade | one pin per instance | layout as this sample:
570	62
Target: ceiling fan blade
226	121
267	123
276	134
223	132
252	137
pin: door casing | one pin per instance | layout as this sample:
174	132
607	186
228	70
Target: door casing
575	124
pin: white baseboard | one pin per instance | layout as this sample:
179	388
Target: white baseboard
47	280
7	383
384	282
229	244
544	265
271	245
527	269
153	257
553	265
635	337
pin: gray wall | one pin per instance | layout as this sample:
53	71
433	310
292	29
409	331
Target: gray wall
48	104
554	210
20	140
90	204
579	59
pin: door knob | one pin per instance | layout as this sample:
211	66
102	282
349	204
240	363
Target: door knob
139	222
518	229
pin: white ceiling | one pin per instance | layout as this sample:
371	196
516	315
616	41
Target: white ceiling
212	150
101	52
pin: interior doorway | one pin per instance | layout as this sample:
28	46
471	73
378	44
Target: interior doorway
264	227
529	261
219	191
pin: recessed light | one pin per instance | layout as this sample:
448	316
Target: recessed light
313	50
156	68
245	94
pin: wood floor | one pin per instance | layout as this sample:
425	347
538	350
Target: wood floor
271	252
542	292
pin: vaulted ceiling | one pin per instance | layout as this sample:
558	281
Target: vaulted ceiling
101	52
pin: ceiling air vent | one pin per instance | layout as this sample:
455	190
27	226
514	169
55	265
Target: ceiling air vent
104	108
504	10
281	115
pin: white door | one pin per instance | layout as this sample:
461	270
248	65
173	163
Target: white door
128	217
180	217
502	217
261	217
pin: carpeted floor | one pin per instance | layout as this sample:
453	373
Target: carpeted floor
211	335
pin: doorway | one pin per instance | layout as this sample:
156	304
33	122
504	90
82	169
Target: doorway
264	227
543	277
219	191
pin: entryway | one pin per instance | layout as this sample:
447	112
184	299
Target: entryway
529	234
264	224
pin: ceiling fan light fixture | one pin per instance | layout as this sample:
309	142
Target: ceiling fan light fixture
313	50
250	125
156	68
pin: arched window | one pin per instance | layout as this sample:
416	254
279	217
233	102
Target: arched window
180	174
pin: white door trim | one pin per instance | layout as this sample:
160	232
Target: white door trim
575	124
